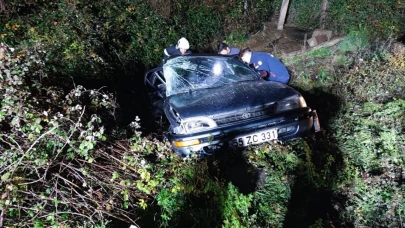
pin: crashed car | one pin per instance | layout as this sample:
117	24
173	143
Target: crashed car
213	101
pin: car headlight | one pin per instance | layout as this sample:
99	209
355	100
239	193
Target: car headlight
290	103
198	124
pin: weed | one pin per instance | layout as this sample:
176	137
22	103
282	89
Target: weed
323	75
374	144
356	41
237	38
322	52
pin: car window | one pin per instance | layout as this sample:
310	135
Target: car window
188	73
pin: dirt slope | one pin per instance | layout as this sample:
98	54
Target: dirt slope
277	42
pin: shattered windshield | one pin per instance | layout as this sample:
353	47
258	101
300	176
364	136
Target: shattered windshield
184	74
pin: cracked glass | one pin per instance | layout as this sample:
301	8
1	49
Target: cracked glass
188	73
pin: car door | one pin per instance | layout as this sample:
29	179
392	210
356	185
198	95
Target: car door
155	89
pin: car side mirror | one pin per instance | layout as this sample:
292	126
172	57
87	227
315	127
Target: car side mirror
162	88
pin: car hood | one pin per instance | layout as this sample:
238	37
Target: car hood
228	98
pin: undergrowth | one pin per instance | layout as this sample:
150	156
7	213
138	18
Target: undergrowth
64	162
367	131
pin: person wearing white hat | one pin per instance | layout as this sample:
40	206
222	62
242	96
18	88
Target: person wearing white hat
181	48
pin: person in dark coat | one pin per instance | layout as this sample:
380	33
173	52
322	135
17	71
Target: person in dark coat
263	61
225	49
181	48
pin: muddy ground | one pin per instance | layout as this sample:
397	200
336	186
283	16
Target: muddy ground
279	42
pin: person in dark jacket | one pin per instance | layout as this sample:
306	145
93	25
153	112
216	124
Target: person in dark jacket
225	49
263	61
181	48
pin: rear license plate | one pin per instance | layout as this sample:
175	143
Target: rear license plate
255	138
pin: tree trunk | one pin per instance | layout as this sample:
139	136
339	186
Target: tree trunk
323	13
283	13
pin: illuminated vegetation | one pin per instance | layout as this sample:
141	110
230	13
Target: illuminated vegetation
74	153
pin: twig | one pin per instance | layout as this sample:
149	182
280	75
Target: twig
101	167
19	147
120	61
101	88
68	212
123	147
1	217
32	146
75	171
57	175
32	182
123	163
71	134
115	216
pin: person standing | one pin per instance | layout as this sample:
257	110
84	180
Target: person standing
263	61
181	48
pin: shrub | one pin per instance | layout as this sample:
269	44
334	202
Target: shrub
379	81
190	195
42	130
60	166
99	40
235	208
382	18
303	14
371	136
356	41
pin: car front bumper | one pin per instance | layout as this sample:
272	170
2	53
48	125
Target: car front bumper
289	125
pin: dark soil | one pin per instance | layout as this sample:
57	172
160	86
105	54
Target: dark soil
278	42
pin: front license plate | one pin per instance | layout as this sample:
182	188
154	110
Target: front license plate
255	138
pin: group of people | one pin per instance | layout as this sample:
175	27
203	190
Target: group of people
270	68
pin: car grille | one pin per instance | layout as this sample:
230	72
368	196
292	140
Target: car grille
250	114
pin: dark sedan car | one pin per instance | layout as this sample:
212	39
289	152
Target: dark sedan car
214	100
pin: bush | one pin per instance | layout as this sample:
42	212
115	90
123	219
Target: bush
371	136
382	18
87	40
60	166
374	71
362	159
303	14
42	130
93	40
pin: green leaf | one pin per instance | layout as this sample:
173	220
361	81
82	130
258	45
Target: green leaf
5	176
82	145
90	145
31	213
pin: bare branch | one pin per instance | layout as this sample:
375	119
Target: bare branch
31	147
